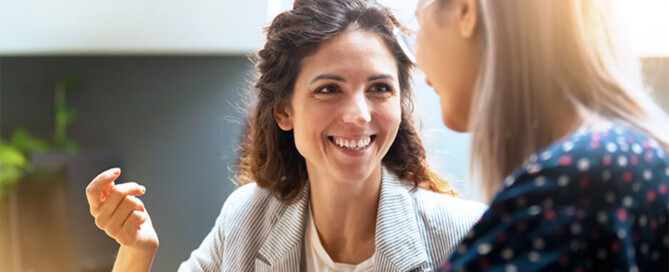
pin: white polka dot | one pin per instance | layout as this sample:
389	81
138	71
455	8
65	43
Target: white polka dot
484	248
583	165
643	220
462	249
546	155
507	254
644	249
655	255
533	158
511	268
628	201
653	143
540	181
602	217
534	210
622	161
601	253
588	265
520	202
647	174
610	197
548	203
618	131
575	228
471	234
533	168
636	148
667	171
611	147
662	219
575	245
567	146
636	187
622	233
634	268
506	218
665	241
538	243
534	256
624	147
563	180
606	175
508	181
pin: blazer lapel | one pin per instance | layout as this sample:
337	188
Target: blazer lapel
399	246
282	250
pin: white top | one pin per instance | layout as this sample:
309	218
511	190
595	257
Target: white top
318	260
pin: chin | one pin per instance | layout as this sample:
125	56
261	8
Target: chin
454	125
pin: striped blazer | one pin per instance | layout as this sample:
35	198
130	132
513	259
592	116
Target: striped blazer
415	230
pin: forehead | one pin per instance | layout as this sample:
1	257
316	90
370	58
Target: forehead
351	53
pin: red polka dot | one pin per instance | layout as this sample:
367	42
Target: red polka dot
649	155
594	234
622	215
645	144
585	182
634	160
615	246
650	196
559	230
446	266
627	177
578	269
565	160
594	143
630	139
636	237
501	237
521	226
662	189
585	203
549	214
484	263
564	259
653	224
606	160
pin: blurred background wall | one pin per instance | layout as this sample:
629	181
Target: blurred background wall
159	85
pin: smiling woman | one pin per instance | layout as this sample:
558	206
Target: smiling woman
335	173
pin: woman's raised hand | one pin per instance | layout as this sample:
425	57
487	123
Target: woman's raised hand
119	212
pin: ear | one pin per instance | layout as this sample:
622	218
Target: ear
468	17
284	116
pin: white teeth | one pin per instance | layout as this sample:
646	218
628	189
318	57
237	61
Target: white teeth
353	144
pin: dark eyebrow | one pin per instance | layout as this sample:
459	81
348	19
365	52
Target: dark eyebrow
381	76
338	78
326	76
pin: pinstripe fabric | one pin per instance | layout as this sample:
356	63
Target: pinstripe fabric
415	230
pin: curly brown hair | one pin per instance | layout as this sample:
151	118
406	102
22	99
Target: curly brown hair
268	154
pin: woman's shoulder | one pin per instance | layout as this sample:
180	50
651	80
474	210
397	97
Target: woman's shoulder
248	201
611	161
446	213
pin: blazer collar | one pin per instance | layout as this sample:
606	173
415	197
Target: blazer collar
282	250
398	240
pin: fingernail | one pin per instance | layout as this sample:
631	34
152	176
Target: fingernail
143	189
116	171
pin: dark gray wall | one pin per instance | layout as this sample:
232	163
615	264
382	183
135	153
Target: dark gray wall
170	119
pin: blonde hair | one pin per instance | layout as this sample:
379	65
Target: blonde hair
546	63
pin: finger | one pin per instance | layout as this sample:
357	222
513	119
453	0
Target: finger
133	222
127	206
130	188
98	184
116	195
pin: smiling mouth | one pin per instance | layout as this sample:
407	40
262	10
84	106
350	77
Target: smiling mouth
353	144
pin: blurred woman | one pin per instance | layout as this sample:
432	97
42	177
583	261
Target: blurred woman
335	172
567	146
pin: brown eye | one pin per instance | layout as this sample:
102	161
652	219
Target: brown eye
328	89
380	87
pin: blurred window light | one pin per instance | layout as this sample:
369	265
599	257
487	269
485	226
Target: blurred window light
647	23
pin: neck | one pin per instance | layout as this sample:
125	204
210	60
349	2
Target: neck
345	215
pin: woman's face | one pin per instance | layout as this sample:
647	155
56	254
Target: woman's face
345	110
447	51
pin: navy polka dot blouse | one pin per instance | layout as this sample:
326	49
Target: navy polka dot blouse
594	201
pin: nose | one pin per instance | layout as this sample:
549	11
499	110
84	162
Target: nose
356	110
